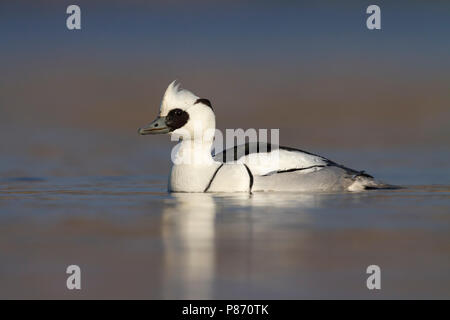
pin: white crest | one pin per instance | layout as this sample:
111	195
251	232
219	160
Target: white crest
176	97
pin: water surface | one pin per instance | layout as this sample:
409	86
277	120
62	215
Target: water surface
134	240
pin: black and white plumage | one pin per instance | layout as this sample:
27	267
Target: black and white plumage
251	167
297	170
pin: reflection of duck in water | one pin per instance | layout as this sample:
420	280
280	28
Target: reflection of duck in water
188	235
193	240
191	118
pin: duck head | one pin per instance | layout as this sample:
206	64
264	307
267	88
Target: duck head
184	115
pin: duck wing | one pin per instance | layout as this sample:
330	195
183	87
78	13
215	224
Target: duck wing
266	159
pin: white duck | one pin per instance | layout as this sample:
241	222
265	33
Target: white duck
245	168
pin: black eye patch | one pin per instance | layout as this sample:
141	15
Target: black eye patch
176	118
204	101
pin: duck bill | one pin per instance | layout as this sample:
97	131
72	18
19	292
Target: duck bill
156	127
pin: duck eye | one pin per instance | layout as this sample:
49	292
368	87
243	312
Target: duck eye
176	118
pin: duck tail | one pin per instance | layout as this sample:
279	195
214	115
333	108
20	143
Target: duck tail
367	182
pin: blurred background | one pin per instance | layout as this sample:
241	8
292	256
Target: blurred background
78	185
71	101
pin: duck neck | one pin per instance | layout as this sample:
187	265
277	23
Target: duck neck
193	152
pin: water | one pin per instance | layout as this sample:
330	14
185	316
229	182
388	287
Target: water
134	240
79	186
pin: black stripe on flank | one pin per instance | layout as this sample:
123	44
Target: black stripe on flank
384	187
212	178
250	175
205	102
295	169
